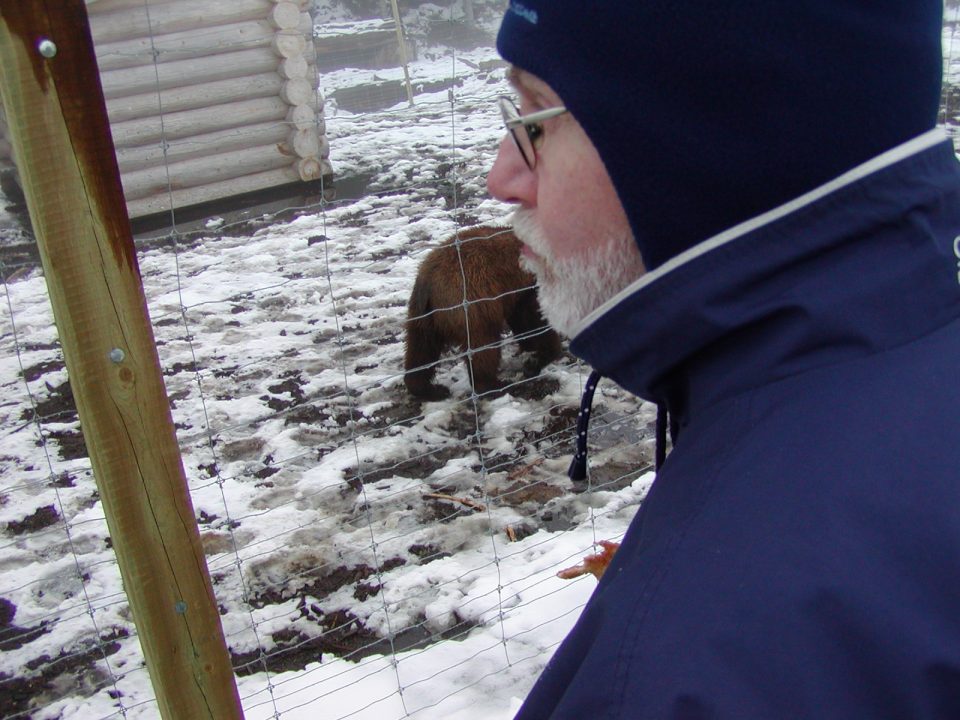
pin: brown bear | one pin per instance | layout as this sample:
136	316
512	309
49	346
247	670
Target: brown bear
499	294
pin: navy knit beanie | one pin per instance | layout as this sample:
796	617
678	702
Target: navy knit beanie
709	113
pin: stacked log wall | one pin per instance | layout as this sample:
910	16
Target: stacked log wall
207	100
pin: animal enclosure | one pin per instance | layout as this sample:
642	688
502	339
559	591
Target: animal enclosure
372	554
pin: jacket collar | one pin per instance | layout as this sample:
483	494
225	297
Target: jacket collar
806	284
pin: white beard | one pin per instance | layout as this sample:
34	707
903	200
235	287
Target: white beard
571	288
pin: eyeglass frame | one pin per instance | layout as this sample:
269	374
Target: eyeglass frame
513	120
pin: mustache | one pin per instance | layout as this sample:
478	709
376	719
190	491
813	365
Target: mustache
528	230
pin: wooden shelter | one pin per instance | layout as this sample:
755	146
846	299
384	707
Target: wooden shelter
207	100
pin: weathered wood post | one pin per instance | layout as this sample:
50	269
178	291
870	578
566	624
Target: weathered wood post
402	49
58	125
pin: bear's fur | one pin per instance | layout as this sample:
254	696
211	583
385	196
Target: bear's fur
499	294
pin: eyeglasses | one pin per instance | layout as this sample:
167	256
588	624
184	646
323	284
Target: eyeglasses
526	129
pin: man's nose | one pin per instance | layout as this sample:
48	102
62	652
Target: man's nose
510	180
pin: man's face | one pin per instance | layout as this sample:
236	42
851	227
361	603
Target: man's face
576	236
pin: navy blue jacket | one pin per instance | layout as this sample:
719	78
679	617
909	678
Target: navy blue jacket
798	555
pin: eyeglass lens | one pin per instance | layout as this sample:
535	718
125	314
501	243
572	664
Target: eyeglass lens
519	132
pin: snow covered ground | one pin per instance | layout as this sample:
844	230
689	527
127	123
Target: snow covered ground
373	556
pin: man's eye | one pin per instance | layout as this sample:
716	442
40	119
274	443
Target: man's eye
535	131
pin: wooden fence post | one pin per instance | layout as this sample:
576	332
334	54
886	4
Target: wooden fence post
402	50
58	124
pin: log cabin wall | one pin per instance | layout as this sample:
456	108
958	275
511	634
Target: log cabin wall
207	100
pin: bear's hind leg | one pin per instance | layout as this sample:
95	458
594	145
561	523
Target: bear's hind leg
483	366
534	333
423	349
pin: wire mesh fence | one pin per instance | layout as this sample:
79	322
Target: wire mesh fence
373	553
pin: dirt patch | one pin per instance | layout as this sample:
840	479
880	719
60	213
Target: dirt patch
446	504
179	367
43	517
243	449
428	553
265	472
556	437
70	444
13	637
294	652
419	467
615	476
59	405
40	369
537	492
75	671
462	423
290	387
19	254
339	633
558	518
63	480
535	388
405	413
334	420
318	585
342	635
